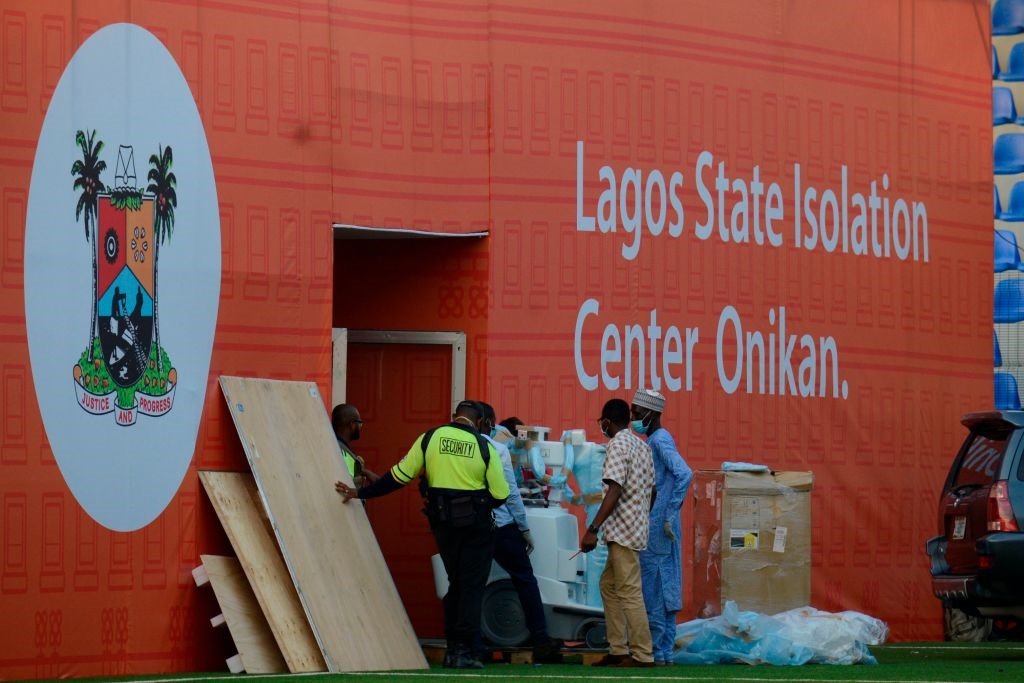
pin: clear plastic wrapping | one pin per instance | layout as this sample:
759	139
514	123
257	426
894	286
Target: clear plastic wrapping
804	635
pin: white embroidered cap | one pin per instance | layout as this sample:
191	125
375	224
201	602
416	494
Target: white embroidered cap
650	399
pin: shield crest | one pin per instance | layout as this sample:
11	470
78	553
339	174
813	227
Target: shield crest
124	288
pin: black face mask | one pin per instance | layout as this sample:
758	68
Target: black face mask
355	433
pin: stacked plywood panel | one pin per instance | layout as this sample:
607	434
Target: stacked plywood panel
313	564
258	652
237	504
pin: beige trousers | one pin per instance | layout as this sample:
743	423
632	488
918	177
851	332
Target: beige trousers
624	612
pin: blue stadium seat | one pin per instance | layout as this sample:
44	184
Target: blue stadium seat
1005	386
1008	17
995	64
996	356
1006	256
1008	154
1015	207
997	205
1015	64
1009	301
1003	109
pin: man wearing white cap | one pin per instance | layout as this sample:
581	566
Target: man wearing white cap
661	562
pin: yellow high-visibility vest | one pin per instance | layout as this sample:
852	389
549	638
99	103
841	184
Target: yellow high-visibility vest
354	467
453	461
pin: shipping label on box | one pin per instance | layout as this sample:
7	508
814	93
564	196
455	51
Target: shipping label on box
743	539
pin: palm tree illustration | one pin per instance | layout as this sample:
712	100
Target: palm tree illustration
87	179
161	184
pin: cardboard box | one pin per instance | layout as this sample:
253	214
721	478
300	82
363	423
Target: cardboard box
752	541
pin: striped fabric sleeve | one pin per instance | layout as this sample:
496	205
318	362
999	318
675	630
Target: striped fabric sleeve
410	466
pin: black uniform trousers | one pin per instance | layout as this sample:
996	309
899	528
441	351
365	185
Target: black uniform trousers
466	553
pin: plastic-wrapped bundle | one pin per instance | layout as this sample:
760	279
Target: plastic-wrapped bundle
587	465
799	636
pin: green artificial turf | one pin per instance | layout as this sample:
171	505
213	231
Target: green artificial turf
931	662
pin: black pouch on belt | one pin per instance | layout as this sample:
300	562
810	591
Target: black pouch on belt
461	511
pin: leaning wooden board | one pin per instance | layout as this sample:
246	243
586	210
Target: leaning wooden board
245	620
237	504
329	548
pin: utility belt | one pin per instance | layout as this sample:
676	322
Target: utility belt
459	509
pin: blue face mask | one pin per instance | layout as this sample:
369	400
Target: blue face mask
638	426
494	432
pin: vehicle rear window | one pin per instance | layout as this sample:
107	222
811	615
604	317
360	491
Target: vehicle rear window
982	459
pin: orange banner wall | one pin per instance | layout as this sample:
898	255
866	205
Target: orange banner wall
517	119
889	95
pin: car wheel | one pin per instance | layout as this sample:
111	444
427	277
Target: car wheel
963	627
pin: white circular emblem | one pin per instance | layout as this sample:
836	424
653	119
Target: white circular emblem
122	275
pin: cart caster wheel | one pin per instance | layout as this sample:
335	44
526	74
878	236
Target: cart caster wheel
594	633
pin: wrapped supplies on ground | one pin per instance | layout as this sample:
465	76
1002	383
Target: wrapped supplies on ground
798	636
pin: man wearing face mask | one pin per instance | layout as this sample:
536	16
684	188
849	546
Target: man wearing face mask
347	425
661	561
628	476
512	546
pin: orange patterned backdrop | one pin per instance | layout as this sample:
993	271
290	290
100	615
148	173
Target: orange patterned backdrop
465	116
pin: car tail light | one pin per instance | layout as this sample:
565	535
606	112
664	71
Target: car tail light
1000	512
984	562
947	501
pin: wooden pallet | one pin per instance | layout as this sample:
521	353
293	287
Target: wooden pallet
258	653
434	651
236	502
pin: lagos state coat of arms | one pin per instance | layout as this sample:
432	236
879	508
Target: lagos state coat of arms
124	369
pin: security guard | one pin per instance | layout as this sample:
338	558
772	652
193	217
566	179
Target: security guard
348	425
464	483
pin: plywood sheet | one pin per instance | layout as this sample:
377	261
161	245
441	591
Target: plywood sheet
237	504
329	548
241	611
